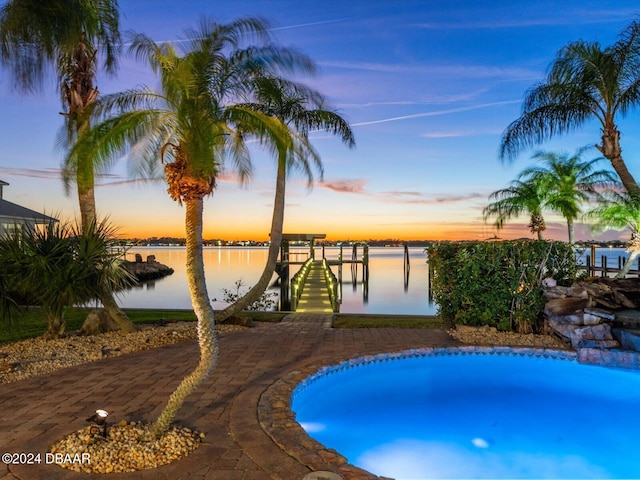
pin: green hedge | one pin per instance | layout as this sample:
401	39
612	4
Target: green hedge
497	283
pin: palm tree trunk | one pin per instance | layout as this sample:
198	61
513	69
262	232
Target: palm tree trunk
55	323
277	222
628	264
116	313
87	202
204	312
626	178
611	150
570	228
85	183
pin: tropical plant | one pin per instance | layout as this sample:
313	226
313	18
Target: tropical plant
521	197
302	110
617	211
568	182
192	125
60	266
585	82
65	36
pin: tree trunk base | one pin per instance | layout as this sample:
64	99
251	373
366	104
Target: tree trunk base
98	321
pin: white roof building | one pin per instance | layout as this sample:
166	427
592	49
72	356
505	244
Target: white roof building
14	219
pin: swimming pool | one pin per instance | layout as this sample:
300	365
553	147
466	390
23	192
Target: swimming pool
476	416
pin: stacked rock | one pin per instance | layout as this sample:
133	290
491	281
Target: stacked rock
571	312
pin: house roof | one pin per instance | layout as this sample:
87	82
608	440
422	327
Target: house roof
13	211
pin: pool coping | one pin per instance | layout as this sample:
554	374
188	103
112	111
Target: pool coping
278	420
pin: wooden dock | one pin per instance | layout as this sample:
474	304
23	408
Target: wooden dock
314	293
315	288
604	269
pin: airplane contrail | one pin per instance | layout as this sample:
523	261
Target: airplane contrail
273	29
436	113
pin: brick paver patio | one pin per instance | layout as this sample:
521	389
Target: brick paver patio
37	411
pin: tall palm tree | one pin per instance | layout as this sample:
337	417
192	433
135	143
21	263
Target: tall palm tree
192	124
568	183
302	110
521	197
65	36
584	82
617	211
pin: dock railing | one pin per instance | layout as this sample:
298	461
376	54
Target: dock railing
332	286
604	269
297	282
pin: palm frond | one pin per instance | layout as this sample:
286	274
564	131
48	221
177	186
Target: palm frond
35	35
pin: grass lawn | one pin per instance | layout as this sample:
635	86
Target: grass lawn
30	323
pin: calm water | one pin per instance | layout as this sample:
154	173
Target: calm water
388	290
612	255
478	416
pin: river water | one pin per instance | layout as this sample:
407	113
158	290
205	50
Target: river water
389	289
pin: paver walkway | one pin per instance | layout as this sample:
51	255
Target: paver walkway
37	411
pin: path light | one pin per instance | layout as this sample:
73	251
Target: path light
100	419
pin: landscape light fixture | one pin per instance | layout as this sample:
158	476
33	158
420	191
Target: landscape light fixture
100	419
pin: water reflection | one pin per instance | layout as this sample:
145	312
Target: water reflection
388	289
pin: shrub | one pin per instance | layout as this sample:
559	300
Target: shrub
57	267
497	283
265	303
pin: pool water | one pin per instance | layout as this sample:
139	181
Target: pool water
477	416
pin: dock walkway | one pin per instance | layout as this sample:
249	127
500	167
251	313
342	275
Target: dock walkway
315	292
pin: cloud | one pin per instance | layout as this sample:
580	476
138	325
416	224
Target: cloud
356	186
47	173
585	17
438	199
460	133
400	193
136	181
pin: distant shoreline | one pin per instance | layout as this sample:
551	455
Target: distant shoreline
372	243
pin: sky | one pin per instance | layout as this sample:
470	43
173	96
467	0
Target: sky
428	88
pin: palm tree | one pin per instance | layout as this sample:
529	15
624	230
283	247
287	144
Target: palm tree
66	35
568	183
192	124
302	110
617	211
59	267
584	82
519	198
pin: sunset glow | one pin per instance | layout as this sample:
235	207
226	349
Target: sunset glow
427	86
